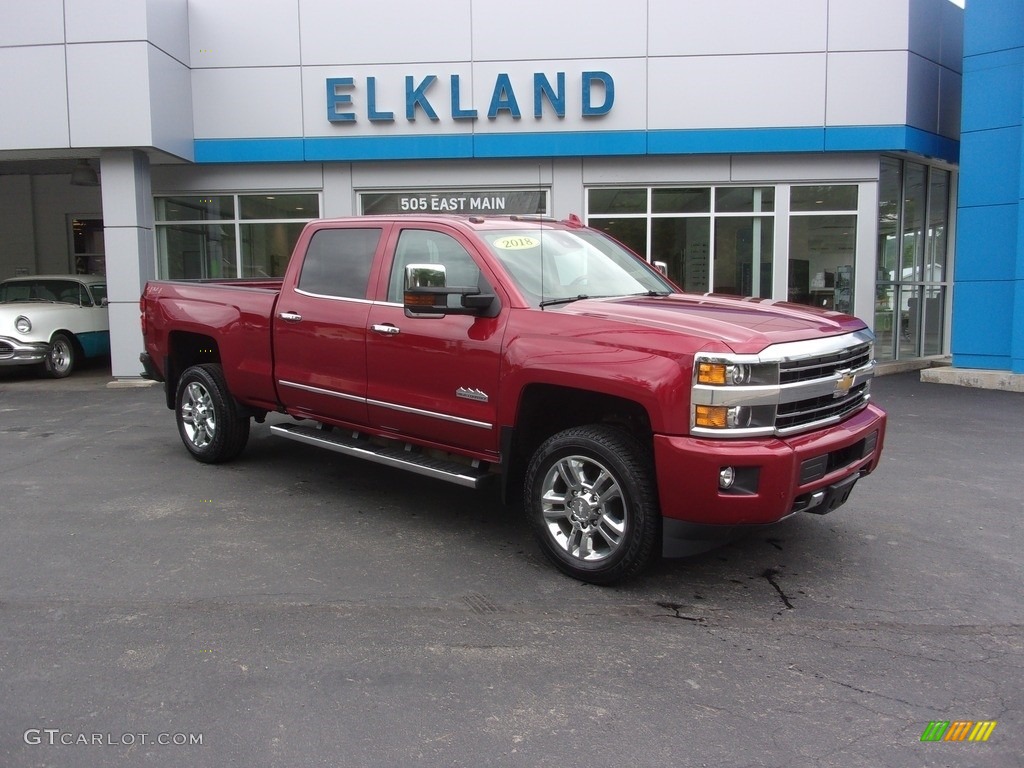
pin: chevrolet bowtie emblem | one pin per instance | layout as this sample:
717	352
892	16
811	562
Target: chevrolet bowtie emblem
843	384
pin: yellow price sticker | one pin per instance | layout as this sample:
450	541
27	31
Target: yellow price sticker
517	243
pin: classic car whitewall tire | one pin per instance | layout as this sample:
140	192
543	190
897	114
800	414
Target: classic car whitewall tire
207	416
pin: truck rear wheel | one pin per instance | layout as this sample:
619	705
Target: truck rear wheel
591	503
207	417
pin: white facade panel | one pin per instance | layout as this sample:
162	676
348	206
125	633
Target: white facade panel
923	93
168	27
627	113
40	22
244	33
384	32
722	27
572	29
173	179
251	102
950	115
737	91
388	94
33	82
936	33
803	168
109	95
171	104
451	174
869	25
656	170
867	88
104	21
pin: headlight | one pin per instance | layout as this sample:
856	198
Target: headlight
23	324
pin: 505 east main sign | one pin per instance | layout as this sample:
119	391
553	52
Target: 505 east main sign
346	95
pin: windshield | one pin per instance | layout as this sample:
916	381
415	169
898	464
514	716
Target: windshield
62	291
553	266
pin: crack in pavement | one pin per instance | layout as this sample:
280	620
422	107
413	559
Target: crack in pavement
770	574
676	607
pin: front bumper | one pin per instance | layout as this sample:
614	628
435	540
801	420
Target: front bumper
15	352
811	472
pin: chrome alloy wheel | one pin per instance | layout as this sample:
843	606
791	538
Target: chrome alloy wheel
198	417
584	508
61	356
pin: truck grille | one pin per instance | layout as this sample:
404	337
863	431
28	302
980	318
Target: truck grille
815	409
815	394
825	365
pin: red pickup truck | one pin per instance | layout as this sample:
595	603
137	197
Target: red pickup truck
637	420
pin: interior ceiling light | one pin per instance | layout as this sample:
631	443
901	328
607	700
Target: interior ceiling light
84	175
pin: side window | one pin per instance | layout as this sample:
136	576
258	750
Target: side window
338	262
99	293
420	246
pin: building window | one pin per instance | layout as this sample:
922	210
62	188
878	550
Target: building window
717	239
232	235
822	245
912	276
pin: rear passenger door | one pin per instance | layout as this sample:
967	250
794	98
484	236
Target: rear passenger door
320	325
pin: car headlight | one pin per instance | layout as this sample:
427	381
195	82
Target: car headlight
22	324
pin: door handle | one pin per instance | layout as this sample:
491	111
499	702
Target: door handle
290	317
386	328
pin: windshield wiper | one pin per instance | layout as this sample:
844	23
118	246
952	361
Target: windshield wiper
563	300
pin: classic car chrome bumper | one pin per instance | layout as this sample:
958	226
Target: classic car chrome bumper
14	352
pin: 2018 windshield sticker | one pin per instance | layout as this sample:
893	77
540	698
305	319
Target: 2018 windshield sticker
516	243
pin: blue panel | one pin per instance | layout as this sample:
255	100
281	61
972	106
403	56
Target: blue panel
986	240
993	25
248	150
586	144
389	147
578	144
1017	339
891	138
992	94
737	140
990	362
991	162
981	318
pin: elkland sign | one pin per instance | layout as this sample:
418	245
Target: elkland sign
350	100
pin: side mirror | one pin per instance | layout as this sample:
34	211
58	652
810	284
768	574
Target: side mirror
426	293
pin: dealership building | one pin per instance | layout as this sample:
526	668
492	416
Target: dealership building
801	150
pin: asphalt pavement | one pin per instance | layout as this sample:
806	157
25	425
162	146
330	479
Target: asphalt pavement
299	608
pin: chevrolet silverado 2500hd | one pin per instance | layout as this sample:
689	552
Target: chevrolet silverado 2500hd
637	420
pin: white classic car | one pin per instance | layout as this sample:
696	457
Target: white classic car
53	320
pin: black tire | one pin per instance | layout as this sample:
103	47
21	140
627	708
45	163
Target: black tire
207	416
61	357
591	502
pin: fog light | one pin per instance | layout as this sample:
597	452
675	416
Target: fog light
726	477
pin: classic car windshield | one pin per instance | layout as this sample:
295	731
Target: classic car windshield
61	291
552	266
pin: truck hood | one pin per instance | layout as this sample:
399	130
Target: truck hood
746	325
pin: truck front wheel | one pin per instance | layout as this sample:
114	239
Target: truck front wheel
208	420
591	503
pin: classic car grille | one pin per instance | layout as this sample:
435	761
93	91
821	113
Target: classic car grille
6	350
824	366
